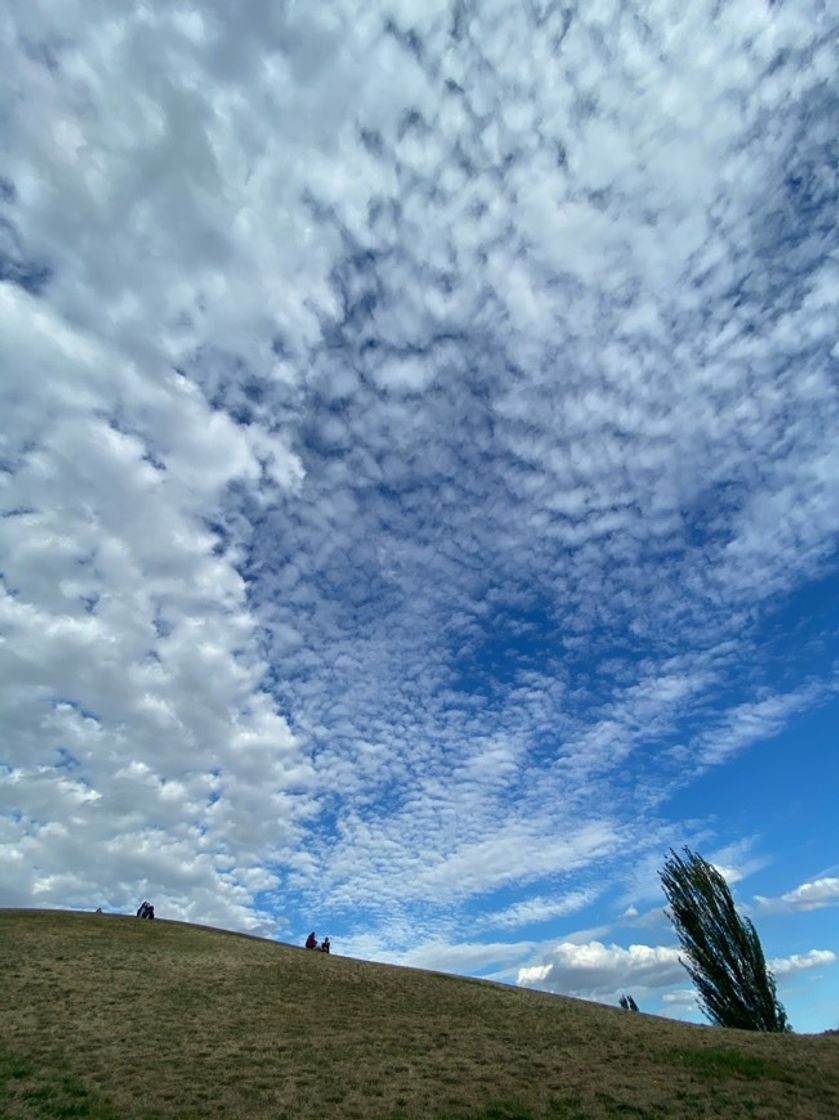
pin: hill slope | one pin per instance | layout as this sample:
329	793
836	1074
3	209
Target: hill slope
109	1017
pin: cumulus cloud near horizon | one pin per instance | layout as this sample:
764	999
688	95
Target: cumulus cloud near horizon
595	970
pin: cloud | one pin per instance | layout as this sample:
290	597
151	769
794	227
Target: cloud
799	962
535	910
594	970
465	957
806	896
737	861
682	998
137	725
404	449
759	721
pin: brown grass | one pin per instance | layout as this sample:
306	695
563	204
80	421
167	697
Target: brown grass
108	1017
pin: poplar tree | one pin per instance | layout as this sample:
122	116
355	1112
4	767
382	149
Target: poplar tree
724	956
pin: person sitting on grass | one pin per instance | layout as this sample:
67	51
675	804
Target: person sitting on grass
311	941
324	946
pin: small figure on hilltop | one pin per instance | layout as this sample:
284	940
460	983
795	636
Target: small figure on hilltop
324	945
146	910
311	941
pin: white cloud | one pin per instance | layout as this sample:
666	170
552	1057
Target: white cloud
407	424
465	957
737	861
541	909
799	962
758	721
594	970
597	971
136	723
730	874
682	997
806	896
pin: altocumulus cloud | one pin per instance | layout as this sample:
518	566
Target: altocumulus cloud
411	412
140	746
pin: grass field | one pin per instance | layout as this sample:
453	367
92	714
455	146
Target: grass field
108	1017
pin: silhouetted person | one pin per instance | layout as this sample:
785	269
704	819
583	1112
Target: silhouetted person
324	948
311	941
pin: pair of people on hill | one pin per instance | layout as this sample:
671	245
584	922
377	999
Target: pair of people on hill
312	943
146	910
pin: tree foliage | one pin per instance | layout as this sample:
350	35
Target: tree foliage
725	957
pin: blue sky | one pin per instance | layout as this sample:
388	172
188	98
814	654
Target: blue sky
419	476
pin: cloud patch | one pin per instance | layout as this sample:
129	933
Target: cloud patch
806	896
595	970
800	962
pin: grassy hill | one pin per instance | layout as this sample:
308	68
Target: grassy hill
112	1018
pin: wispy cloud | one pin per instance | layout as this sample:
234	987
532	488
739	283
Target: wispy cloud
534	910
759	720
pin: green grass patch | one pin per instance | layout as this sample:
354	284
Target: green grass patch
495	1110
725	1063
13	1069
32	1094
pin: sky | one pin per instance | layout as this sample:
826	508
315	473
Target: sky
418	475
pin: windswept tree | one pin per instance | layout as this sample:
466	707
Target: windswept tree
725	957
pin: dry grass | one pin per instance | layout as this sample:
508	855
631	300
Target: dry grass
109	1018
